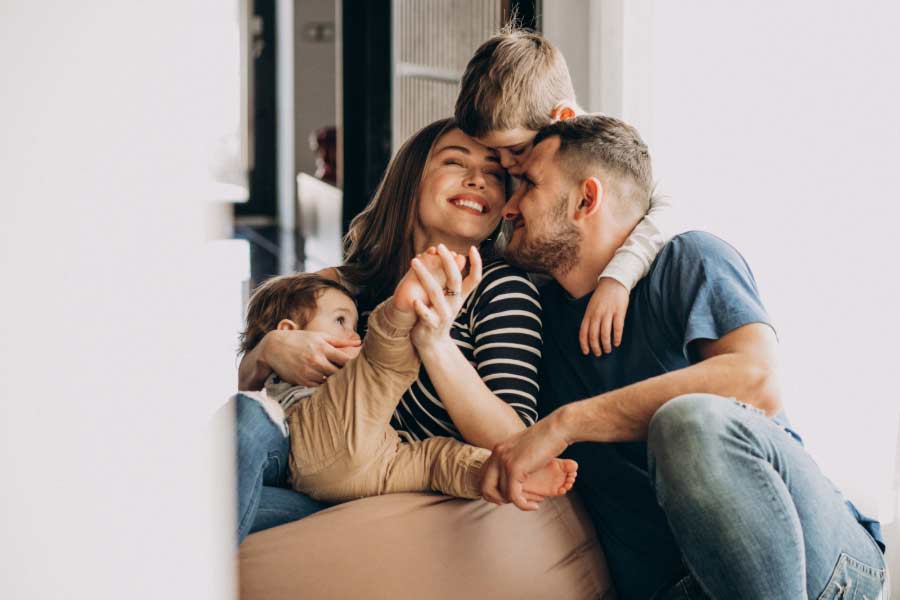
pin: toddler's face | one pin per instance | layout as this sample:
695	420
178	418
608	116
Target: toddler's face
335	315
512	145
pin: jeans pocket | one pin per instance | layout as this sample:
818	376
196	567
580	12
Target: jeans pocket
854	580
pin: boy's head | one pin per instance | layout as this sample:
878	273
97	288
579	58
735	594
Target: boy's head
516	83
301	301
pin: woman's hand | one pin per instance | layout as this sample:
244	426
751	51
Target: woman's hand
604	318
305	357
443	291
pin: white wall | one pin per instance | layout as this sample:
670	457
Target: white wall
110	367
776	127
568	24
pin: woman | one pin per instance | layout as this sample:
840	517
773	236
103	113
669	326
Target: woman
442	187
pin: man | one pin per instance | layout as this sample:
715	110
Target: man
687	466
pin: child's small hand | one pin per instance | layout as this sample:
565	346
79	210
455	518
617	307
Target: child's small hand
604	319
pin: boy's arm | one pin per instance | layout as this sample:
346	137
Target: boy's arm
604	319
632	261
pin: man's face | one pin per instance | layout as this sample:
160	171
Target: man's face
544	238
512	145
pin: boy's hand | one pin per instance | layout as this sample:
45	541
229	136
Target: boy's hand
438	276
604	319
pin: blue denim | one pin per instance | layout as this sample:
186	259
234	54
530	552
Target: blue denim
751	512
265	498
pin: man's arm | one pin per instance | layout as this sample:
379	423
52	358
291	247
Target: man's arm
740	364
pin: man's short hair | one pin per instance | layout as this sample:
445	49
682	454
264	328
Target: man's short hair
515	79
592	142
293	297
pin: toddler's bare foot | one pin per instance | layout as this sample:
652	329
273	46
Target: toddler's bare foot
554	479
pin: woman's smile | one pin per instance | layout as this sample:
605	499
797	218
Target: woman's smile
471	203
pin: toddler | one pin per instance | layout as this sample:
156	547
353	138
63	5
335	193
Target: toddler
342	446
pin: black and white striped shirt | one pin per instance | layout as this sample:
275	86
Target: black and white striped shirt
499	332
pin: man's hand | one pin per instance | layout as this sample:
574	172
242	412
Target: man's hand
604	318
523	453
306	357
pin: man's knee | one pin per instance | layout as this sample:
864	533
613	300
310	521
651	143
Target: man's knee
685	420
685	450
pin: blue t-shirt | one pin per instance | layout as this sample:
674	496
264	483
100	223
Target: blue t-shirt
698	288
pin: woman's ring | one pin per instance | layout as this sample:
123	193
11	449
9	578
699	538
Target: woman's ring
449	292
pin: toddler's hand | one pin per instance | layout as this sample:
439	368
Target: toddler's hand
604	319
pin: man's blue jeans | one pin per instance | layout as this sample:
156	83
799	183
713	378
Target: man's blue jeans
264	496
750	511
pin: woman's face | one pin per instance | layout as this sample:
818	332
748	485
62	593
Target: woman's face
462	192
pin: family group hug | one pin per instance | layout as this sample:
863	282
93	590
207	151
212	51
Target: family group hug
513	323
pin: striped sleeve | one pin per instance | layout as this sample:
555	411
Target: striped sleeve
505	321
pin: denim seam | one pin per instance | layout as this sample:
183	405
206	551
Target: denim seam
861	566
781	507
275	456
878	550
246	515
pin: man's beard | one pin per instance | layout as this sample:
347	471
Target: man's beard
554	250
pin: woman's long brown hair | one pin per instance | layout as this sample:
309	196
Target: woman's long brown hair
379	243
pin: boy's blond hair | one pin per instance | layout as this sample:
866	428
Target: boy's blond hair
515	79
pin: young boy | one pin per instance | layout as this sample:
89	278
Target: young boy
342	445
516	83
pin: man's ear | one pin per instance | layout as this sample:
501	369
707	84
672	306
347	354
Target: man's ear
287	324
591	196
562	111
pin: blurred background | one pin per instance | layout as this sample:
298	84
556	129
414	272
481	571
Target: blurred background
160	159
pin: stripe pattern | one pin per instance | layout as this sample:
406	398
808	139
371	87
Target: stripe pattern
499	332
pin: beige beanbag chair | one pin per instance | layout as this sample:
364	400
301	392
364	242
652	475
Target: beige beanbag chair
427	546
